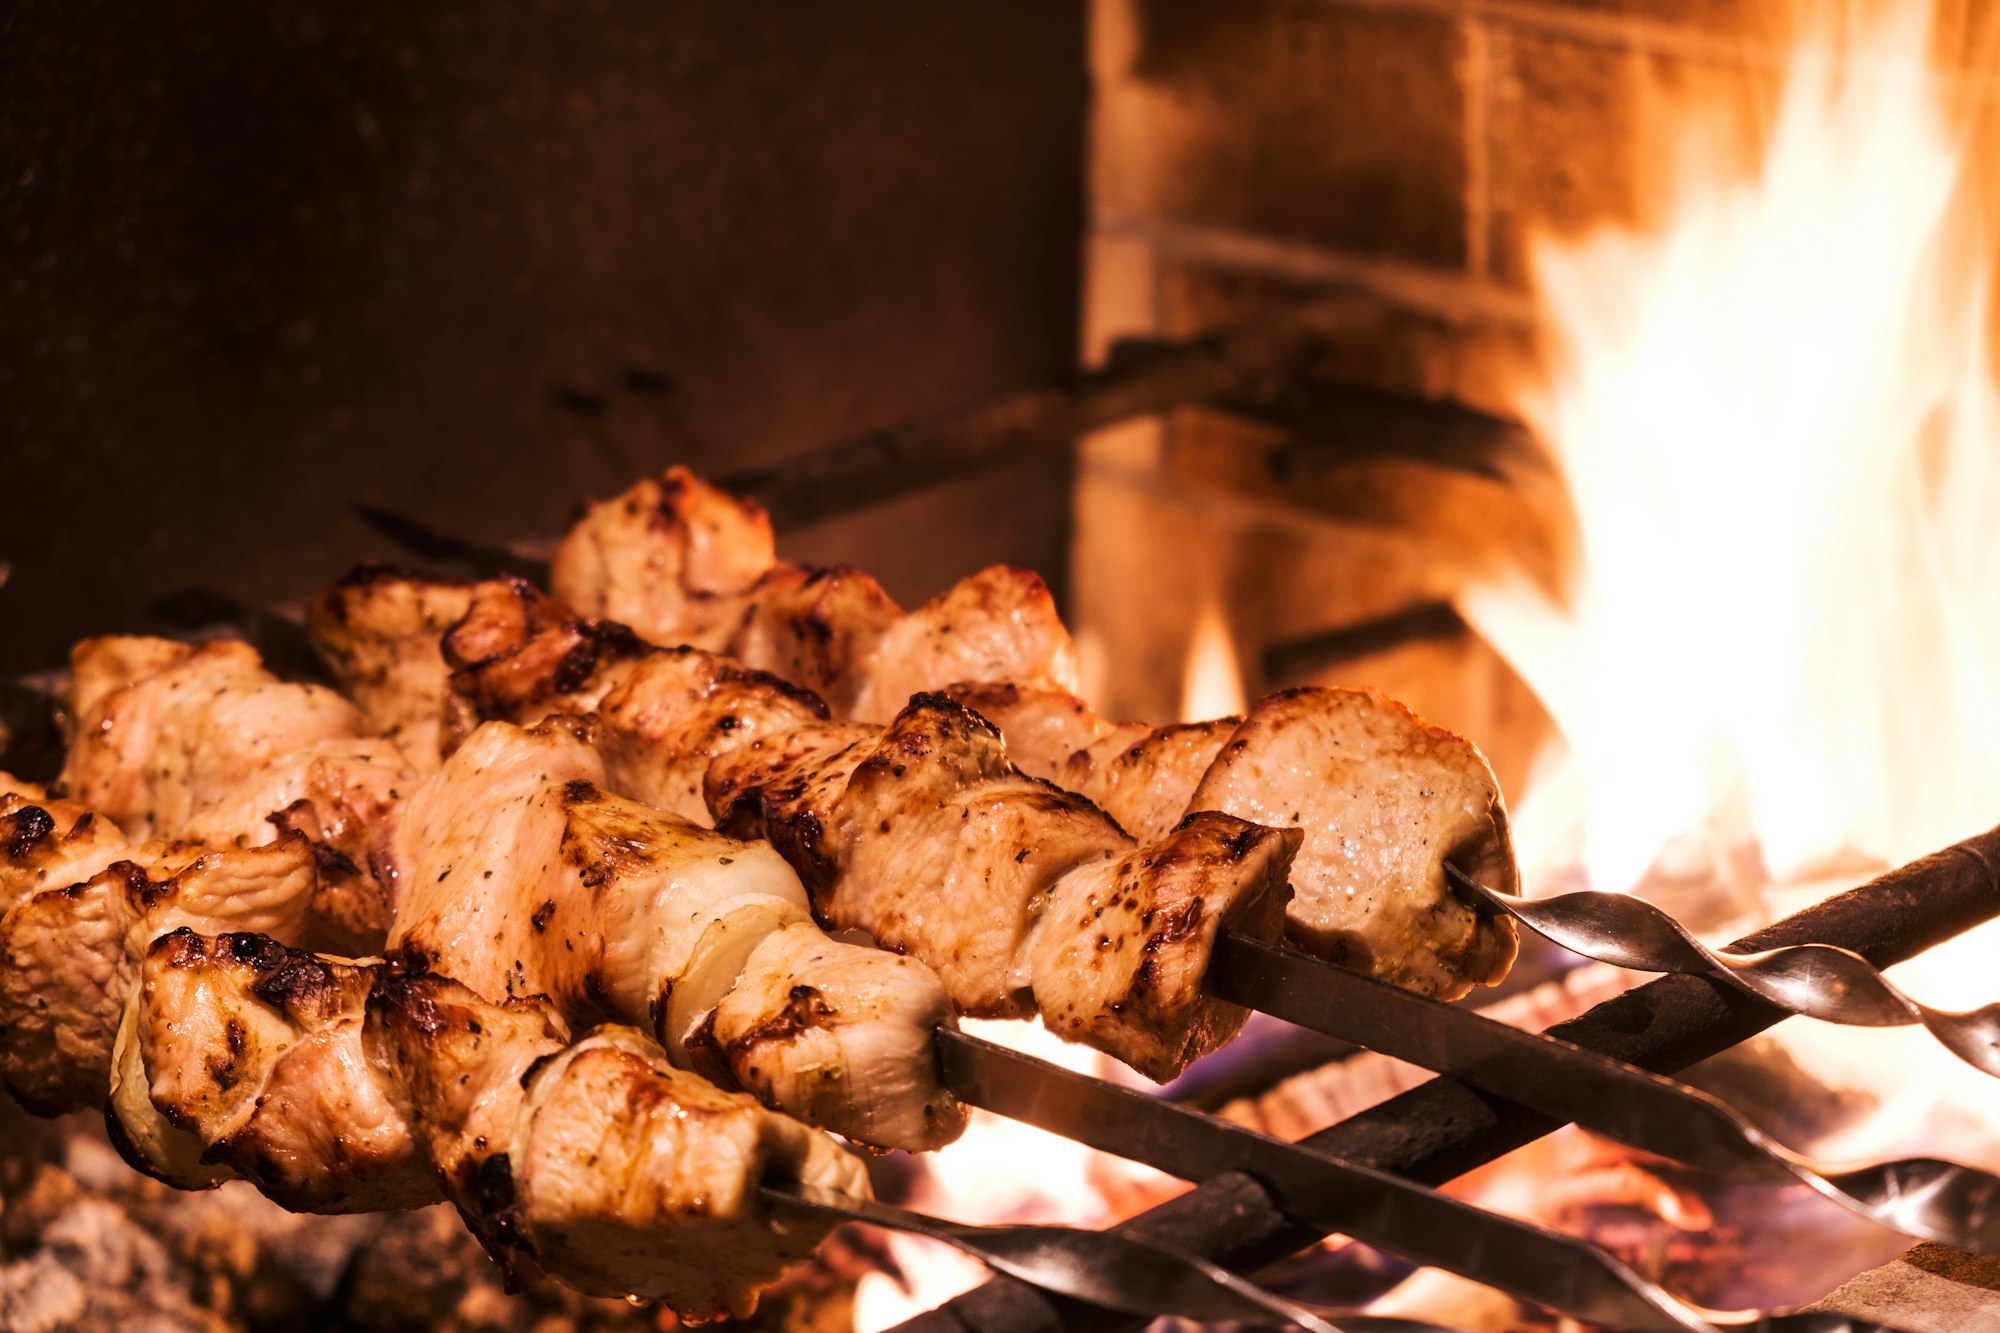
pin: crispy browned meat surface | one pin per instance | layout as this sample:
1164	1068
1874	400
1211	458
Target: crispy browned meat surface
518	656
378	631
47	843
207	745
1383	798
521	876
1141	776
683	563
927	838
68	952
252	1051
597	1162
671	558
1384	801
338	1086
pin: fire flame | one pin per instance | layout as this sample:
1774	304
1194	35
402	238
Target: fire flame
1775	411
1211	680
1001	1171
1778	424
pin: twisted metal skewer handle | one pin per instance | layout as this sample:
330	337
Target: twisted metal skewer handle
1816	980
1151	1278
1139	1277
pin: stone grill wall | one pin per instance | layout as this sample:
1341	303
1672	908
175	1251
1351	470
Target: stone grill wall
1249	154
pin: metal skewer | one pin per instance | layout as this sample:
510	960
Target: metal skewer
1815	980
1918	1196
1141	1277
1532	1263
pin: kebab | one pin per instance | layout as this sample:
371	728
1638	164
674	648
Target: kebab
336	1085
768	760
1385	800
682	562
1401	1187
340	1086
205	745
521	876
875	1029
656	920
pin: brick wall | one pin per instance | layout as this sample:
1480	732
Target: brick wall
1249	154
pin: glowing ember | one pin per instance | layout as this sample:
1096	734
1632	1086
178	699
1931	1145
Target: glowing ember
1778	424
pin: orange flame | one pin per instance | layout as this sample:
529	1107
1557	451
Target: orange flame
1211	679
1778	424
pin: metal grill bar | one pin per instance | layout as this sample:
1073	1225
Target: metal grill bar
1442	1129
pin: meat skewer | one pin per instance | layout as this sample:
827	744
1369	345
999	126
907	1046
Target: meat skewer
1343	765
671	721
340	1086
336	1085
1384	799
644	919
683	562
357	1086
520	875
343	1086
205	745
1025	898
903	749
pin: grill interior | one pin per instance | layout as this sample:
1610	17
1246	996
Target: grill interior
408	285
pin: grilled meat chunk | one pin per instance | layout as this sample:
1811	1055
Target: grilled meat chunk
47	843
1384	801
378	631
598	1162
683	563
1120	964
522	877
153	751
670	1154
998	624
254	1053
517	656
70	952
818	628
212	747
841	1036
457	1067
97	666
1142	777
928	839
672	558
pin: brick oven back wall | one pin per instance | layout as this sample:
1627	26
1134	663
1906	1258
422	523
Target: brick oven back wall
1248	155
